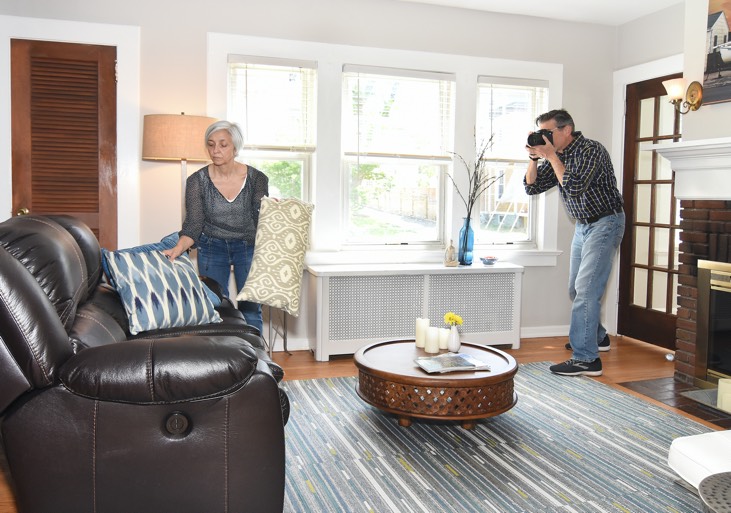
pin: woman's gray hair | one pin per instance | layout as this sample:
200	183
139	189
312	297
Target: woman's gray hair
234	130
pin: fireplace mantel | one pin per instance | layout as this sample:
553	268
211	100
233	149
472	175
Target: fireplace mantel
702	167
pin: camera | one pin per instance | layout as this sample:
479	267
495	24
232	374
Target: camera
536	138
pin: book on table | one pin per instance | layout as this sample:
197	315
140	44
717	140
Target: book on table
451	362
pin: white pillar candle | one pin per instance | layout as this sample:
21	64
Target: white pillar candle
432	340
443	338
421	326
723	401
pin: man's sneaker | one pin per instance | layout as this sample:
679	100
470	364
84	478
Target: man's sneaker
576	368
603	345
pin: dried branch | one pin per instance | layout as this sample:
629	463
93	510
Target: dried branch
479	179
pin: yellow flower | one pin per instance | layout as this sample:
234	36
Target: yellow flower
452	319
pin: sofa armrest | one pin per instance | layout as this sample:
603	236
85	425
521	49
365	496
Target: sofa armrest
160	371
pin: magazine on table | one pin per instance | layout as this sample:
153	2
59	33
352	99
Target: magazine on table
451	362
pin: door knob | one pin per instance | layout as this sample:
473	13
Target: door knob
22	212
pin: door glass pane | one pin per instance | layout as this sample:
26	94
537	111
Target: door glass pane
664	171
659	291
644	165
642	245
647	111
643	196
663	203
639	287
660	254
677	212
667	117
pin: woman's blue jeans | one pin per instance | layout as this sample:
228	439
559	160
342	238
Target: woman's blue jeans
215	259
592	252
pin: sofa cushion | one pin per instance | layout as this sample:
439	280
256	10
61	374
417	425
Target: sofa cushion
95	327
696	457
282	238
158	293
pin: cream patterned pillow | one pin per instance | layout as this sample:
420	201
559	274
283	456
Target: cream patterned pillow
282	238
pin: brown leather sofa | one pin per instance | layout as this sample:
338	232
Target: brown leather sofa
96	420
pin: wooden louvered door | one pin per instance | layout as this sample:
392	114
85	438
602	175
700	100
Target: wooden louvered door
64	132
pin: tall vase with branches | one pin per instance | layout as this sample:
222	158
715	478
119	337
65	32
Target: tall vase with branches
479	180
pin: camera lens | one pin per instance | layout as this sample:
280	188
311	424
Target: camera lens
536	139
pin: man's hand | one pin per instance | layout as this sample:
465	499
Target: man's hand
532	153
545	151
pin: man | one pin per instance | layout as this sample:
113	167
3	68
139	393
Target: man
583	172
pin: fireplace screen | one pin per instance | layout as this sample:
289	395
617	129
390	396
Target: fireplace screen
713	340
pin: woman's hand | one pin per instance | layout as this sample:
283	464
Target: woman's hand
172	253
183	245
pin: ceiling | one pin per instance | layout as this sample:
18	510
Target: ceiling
604	12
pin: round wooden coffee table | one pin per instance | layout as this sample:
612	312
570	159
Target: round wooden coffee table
390	380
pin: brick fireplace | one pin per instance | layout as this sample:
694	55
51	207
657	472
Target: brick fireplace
705	235
703	185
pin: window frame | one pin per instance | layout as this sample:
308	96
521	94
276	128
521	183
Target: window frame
501	81
443	159
302	152
326	177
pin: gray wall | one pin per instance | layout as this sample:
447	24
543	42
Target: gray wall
173	73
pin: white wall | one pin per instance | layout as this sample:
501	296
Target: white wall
172	78
651	38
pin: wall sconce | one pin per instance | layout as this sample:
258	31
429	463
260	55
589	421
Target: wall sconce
176	137
693	96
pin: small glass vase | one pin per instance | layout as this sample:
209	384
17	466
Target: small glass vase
454	343
466	242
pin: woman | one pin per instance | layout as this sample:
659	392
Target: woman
222	202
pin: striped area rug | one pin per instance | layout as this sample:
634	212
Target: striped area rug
569	445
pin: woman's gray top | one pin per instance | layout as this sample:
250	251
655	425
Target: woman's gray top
208	211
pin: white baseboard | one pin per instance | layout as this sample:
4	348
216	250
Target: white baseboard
293	344
303	344
545	331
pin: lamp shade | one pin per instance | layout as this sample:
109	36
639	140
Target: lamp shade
175	137
675	88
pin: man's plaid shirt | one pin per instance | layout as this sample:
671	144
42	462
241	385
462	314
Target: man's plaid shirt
589	186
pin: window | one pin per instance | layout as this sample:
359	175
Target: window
397	132
379	182
506	111
273	100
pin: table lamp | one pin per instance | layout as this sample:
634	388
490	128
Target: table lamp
176	137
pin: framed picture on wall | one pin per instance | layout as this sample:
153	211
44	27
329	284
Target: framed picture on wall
717	75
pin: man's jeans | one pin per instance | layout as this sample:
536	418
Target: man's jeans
215	258
592	253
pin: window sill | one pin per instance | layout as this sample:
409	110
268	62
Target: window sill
525	258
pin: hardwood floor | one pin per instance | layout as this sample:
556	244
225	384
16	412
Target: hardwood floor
629	361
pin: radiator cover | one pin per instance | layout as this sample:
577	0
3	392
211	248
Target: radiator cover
359	305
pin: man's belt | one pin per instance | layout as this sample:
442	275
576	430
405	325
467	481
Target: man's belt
595	218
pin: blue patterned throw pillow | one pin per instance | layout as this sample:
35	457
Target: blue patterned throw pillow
158	293
166	242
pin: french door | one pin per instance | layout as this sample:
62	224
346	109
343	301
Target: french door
648	274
